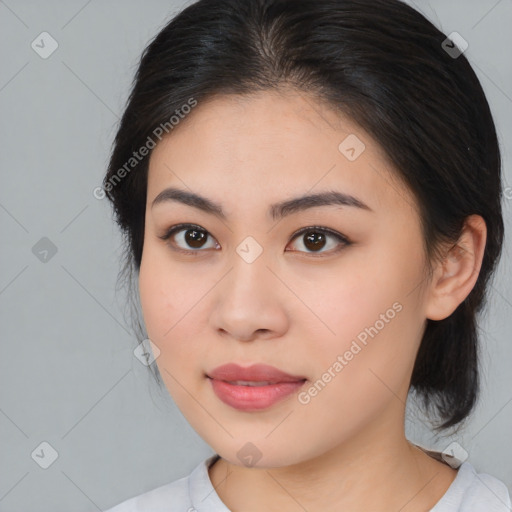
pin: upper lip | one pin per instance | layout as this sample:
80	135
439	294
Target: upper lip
254	373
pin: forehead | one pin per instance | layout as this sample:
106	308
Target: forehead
271	145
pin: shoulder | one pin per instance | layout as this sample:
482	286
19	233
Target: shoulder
474	492
169	497
175	496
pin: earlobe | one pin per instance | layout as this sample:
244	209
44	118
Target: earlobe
456	275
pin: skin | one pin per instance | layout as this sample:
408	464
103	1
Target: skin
295	310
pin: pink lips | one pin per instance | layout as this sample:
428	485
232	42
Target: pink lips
252	388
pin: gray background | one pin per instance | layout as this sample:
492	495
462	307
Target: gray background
68	373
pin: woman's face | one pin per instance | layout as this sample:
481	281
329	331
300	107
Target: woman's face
346	316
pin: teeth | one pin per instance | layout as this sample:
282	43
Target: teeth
248	383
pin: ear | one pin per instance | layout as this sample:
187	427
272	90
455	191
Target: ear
455	276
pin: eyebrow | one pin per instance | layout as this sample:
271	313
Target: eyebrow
276	210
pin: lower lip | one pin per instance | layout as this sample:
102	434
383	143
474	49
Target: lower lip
253	398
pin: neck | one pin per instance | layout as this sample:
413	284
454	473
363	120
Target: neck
372	471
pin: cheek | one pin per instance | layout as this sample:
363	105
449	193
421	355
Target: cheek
173	307
366	365
166	293
373	312
156	304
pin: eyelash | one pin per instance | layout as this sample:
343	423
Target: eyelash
316	229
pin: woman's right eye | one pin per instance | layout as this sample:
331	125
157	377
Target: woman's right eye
189	238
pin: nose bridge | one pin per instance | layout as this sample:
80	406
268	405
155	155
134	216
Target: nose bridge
248	299
249	272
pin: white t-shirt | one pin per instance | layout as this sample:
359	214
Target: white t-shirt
469	492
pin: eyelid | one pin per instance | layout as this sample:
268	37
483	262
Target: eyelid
320	229
182	226
176	228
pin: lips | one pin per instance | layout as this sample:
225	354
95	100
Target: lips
254	388
257	374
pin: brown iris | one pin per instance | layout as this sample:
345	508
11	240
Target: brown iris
195	238
314	240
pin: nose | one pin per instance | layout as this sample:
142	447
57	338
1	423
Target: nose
250	302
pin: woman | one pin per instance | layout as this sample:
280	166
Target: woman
310	193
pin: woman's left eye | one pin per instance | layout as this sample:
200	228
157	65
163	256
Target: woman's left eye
315	239
191	238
